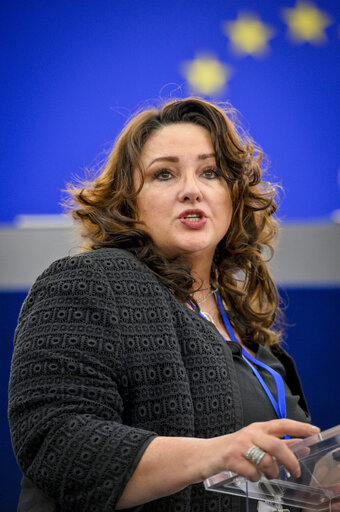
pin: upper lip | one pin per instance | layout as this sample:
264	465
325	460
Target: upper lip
191	212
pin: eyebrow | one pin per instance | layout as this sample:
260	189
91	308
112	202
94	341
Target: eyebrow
175	159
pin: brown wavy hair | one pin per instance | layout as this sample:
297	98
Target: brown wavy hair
106	211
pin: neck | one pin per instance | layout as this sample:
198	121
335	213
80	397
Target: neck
201	271
201	268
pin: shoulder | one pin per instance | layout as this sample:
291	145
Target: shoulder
96	263
101	282
101	274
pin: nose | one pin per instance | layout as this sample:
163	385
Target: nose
190	190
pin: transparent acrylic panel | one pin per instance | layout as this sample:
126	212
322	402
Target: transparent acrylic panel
316	488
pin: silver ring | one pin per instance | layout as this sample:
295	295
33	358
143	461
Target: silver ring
255	455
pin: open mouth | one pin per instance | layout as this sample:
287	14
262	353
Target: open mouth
193	217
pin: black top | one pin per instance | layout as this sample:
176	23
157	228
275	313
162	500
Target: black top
256	404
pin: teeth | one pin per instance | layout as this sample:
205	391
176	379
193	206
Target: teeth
193	216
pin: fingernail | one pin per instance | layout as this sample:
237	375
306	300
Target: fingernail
314	429
297	473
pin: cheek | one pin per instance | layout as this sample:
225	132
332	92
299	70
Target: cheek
224	201
228	201
152	207
224	210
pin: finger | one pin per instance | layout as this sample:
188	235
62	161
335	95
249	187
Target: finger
277	448
294	428
265	463
290	442
301	451
247	469
268	466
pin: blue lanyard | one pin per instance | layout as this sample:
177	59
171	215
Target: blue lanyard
279	405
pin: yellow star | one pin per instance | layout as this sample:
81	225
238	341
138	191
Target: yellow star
306	22
249	35
206	74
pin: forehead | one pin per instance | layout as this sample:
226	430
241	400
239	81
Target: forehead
178	139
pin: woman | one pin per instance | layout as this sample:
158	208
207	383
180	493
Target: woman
128	383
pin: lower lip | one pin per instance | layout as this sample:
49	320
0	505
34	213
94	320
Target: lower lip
193	224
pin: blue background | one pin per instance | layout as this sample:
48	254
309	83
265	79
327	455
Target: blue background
73	72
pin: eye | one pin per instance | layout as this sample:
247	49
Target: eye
212	173
162	175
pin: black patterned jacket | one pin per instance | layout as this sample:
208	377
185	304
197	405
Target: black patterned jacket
105	359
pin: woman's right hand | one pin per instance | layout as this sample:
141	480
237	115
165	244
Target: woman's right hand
229	452
170	464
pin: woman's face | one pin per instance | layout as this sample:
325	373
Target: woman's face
185	206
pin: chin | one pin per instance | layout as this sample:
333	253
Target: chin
195	250
190	247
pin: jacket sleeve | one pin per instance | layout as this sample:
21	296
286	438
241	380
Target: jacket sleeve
65	407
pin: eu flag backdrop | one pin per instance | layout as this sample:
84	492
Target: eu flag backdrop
73	72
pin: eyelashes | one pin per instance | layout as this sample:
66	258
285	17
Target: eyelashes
166	175
214	172
162	175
